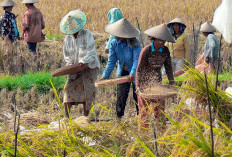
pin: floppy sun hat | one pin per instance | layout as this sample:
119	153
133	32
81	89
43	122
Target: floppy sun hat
122	28
207	27
8	3
72	22
30	1
160	32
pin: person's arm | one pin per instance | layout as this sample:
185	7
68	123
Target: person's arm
5	22
168	67
67	56
112	59
136	52
88	52
26	22
42	22
143	60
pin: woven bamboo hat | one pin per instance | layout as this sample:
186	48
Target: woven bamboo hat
122	28
160	32
8	3
30	1
176	20
207	27
72	22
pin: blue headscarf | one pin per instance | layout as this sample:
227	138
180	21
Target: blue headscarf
114	15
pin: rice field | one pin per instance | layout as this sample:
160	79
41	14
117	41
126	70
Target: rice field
148	12
44	130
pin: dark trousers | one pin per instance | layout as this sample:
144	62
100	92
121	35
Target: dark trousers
32	47
122	95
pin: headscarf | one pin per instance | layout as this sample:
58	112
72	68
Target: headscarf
182	29
114	15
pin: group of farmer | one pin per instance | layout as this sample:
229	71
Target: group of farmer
166	54
32	25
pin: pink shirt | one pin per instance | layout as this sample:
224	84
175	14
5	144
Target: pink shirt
33	24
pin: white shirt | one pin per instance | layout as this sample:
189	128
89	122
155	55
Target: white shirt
81	50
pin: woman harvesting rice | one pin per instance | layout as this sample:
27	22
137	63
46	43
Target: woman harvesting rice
79	48
125	49
148	73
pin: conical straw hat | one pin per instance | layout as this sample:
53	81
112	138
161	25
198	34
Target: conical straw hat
30	1
160	32
72	22
176	20
8	3
207	27
122	28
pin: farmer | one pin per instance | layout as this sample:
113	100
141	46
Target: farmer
179	50
8	30
113	16
33	24
125	49
79	48
211	48
148	74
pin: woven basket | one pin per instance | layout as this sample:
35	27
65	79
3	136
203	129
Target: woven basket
70	69
114	81
158	92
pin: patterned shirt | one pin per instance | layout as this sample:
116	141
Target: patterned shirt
9	25
149	66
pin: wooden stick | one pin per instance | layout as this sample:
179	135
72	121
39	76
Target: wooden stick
155	137
194	45
141	33
219	60
210	115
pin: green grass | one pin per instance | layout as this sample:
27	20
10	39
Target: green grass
26	82
55	36
41	81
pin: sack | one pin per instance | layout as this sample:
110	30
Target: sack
223	20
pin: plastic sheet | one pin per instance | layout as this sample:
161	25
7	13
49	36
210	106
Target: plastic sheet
223	20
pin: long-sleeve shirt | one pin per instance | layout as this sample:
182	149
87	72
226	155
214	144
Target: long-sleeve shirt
9	26
125	55
33	23
181	48
149	66
81	50
211	48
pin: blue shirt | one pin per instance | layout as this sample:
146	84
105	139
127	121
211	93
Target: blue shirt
121	52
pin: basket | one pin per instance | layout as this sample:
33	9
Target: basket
114	81
158	92
70	69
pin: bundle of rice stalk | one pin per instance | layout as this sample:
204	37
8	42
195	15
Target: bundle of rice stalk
195	87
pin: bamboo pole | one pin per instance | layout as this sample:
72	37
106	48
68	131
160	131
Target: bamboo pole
141	33
210	115
155	137
219	61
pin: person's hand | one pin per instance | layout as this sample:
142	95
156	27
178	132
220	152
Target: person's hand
82	65
131	77
106	51
138	90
